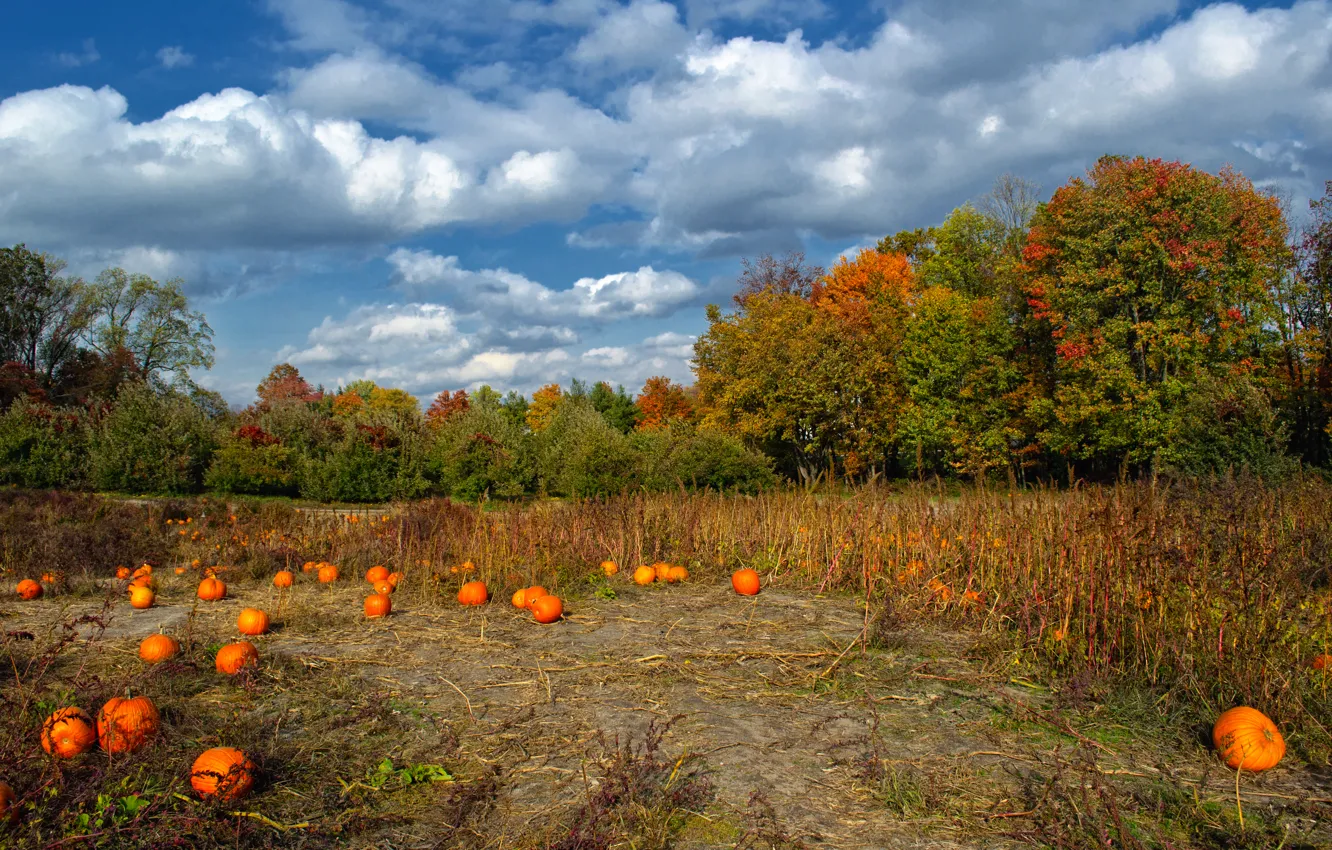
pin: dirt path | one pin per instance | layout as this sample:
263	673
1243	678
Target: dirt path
883	748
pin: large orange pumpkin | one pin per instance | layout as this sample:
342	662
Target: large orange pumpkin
547	609
473	593
645	575
378	605
68	732
156	648
224	772
29	589
284	579
141	597
9	813
1248	740
610	568
235	656
745	582
374	575
252	622
125	725
328	574
532	594
212	589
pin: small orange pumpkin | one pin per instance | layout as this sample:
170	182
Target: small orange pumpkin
610	568
677	575
145	570
519	599
532	594
141	597
473	593
212	589
180	571
328	574
125	725
122	572
9	813
662	570
284	579
252	622
384	587
29	589
309	566
1321	662
394	578
223	772
378	605
235	656
376	574
1248	740
157	648
50	578
645	575
68	732
547	609
745	582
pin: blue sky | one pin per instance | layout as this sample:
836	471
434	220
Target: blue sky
441	194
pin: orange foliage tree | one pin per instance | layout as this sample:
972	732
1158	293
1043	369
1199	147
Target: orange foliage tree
545	403
662	402
445	406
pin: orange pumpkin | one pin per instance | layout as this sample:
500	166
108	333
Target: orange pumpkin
223	772
180	571
473	593
645	575
610	568
519	599
141	597
547	609
29	589
125	725
394	578
328	574
145	570
9	813
233	657
50	578
677	575
212	589
532	594
156	648
745	582
252	622
68	732
309	566
284	579
1248	740
662	570
384	587
122	572
1321	662
375	575
378	605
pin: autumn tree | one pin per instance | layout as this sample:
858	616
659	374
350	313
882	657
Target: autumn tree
545	403
1148	274
786	275
445	406
661	402
284	384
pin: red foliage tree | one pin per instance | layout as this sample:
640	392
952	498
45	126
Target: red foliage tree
285	384
445	406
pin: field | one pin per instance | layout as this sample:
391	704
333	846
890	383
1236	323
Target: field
920	669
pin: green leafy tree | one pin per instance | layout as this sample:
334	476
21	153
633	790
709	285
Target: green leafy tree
482	452
42	315
43	446
151	441
152	321
616	406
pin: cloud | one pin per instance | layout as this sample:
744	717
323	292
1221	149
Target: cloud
174	57
641	35
87	56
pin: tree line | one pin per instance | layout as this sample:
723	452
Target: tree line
1146	317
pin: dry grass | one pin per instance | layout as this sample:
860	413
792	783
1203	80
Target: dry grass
1112	622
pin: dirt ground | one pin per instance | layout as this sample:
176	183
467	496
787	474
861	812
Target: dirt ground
913	740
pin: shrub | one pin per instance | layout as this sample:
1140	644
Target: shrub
1222	423
481	451
682	455
253	462
151	441
371	463
43	447
580	454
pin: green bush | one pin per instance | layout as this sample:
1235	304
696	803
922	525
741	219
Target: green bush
683	455
481	452
43	447
580	454
1217	424
371	463
253	463
151	441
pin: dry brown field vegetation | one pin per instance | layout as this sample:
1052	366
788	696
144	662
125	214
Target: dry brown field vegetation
921	669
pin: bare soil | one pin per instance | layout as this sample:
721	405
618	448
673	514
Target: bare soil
912	739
